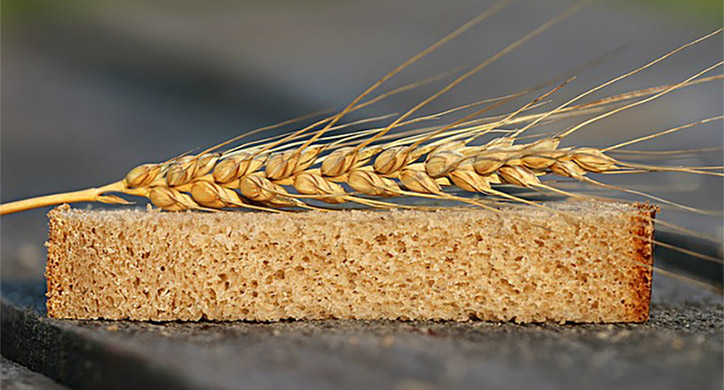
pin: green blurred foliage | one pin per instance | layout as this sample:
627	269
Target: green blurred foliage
710	10
21	11
707	11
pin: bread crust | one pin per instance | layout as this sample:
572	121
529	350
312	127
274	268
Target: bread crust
643	233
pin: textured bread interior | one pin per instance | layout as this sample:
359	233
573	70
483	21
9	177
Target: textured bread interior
524	264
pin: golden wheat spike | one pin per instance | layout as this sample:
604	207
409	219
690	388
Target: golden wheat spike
244	175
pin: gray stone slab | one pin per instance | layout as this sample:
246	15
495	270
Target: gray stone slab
680	347
17	377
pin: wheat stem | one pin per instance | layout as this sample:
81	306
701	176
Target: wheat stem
87	195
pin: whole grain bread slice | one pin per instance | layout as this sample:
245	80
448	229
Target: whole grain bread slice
524	264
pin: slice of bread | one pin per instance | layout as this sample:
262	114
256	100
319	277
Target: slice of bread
587	262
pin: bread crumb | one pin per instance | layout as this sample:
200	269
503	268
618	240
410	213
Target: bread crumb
461	264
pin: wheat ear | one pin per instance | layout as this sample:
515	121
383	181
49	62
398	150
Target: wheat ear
260	177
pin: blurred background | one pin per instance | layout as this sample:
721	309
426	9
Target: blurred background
92	88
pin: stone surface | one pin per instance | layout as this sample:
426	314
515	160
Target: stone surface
13	376
680	347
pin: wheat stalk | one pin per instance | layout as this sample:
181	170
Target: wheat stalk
258	179
307	168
